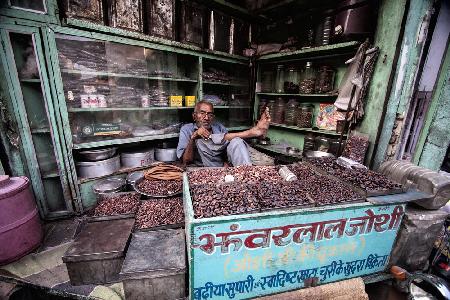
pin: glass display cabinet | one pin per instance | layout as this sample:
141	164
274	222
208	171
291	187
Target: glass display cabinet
34	113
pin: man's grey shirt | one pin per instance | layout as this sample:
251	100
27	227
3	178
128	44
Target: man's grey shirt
187	130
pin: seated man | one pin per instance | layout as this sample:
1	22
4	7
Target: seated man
209	144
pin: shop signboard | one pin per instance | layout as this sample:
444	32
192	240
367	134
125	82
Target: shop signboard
239	257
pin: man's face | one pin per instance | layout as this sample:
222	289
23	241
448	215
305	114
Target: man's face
204	116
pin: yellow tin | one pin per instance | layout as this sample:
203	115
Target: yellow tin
176	101
189	100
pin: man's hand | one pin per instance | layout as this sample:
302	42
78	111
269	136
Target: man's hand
201	133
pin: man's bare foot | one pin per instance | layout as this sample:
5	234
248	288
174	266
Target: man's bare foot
264	121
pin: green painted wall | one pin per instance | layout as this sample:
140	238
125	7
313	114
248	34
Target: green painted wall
386	38
435	135
401	93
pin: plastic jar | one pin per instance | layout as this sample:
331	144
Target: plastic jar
322	143
291	82
278	111
290	112
307	79
304	115
271	106
325	79
279	79
308	143
262	106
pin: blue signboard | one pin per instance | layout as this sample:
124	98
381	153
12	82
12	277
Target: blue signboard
271	253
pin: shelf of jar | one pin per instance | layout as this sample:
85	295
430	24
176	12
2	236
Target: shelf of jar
297	95
320	131
110	74
137	139
225	83
311	52
30	80
107	109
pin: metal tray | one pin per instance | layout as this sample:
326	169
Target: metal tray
355	188
135	187
90	213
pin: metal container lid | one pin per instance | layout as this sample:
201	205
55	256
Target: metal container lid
137	152
97	163
133	177
155	254
97	151
9	186
109	185
100	240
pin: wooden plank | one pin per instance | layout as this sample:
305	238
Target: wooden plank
320	131
106	109
309	52
298	95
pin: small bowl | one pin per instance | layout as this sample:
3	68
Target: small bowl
293	151
265	141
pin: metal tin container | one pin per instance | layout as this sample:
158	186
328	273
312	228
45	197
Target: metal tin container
137	158
91	10
166	154
109	185
92	169
96	258
155	265
161	18
126	14
193	23
97	154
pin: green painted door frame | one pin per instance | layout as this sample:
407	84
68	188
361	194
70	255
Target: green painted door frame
435	135
51	14
406	77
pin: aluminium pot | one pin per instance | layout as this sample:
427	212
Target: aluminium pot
109	185
92	169
166	154
97	154
137	158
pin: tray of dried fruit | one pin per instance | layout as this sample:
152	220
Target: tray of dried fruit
156	215
160	181
365	181
114	206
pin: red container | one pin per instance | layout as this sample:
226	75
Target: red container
20	227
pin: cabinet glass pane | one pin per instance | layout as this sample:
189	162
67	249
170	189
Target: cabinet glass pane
36	115
116	91
38	5
52	188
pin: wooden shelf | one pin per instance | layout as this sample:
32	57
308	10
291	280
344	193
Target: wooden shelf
88	145
274	149
232	106
40	130
311	52
320	131
238	128
110	74
50	175
298	95
225	83
106	109
31	80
